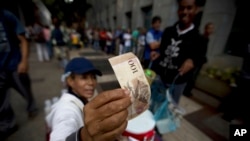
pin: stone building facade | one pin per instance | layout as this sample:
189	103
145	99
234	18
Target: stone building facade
135	13
228	16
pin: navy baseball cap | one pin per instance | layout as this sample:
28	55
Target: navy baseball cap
79	65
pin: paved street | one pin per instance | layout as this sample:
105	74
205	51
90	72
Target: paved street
201	122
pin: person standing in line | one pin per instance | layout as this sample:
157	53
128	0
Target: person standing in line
153	39
96	45
109	42
89	34
75	36
117	33
103	38
61	50
14	55
135	36
121	40
40	39
47	35
127	37
208	30
182	49
141	43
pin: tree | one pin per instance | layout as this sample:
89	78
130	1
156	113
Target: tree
67	10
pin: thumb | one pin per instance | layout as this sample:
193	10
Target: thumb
181	71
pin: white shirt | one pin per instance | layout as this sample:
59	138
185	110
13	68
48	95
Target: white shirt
142	40
89	34
65	117
150	38
127	37
110	36
184	31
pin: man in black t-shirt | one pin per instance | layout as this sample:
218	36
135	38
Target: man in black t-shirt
180	50
208	30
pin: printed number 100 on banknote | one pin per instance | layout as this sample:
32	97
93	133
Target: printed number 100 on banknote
130	74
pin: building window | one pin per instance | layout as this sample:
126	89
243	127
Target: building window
108	23
238	37
147	15
129	19
114	20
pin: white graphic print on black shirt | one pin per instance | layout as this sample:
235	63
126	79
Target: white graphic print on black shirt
171	52
4	43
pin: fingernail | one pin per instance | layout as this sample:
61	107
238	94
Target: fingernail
127	92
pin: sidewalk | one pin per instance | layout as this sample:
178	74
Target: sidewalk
46	84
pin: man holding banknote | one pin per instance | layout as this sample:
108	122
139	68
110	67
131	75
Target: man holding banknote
105	125
77	118
181	50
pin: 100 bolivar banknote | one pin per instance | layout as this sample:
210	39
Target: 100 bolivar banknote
130	74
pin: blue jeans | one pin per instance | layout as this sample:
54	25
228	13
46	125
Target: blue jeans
22	84
50	50
177	91
126	49
96	45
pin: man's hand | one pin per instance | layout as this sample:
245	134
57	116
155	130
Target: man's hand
154	45
186	66
22	67
154	55
105	117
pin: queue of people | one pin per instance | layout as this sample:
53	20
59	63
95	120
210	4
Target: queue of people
118	41
176	54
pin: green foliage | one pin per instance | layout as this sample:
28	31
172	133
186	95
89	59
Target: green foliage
64	10
227	75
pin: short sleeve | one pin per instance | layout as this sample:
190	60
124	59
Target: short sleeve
149	38
16	24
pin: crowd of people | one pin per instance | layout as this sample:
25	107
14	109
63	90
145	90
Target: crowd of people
176	54
54	40
118	41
